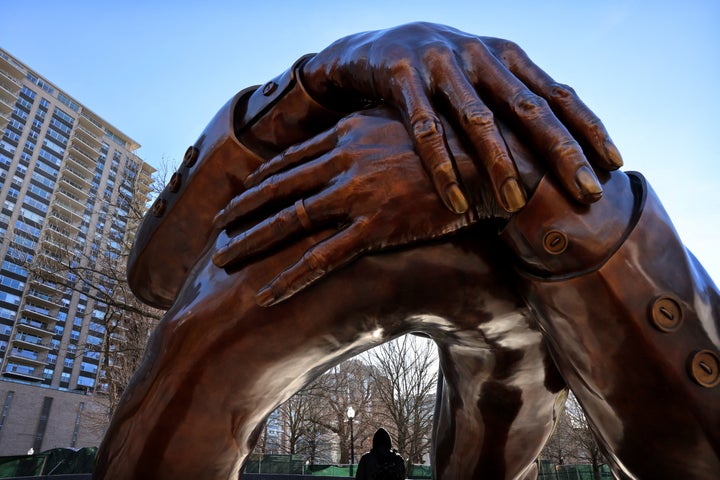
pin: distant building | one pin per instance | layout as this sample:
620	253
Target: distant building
64	175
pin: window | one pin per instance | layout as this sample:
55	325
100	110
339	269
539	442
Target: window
63	116
67	101
11	283
88	367
9	298
86	382
14	268
27	92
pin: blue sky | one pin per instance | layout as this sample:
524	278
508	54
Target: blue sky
158	70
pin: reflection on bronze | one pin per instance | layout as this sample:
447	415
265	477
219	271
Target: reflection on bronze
589	271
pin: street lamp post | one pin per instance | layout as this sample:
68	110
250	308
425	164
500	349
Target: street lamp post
351	416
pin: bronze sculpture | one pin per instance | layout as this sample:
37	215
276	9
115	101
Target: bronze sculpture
183	417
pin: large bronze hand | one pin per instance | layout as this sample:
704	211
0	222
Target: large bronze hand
421	68
361	178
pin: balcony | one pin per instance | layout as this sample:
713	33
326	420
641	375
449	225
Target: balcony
32	340
74	190
63	223
11	70
84	153
76	175
43	284
56	245
37	319
83	160
74	201
60	235
6	94
5	108
65	207
43	299
83	169
93	126
23	372
28	356
77	144
88	137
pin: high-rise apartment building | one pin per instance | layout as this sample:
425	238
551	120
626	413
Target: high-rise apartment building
65	179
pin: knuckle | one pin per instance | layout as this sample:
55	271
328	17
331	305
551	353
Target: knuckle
278	225
477	116
565	148
362	223
442	169
426	126
497	162
528	105
437	54
510	52
402	68
315	261
560	92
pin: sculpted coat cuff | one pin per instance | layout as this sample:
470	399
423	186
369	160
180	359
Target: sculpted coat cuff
632	320
254	125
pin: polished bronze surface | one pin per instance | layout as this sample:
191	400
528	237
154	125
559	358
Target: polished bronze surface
344	240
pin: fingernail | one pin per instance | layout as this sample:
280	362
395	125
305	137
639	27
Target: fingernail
457	199
265	297
588	184
218	258
512	195
613	154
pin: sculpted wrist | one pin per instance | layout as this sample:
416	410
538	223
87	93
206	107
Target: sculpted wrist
554	236
281	113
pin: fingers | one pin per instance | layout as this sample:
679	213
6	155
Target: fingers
317	262
476	119
283	186
546	133
288	223
562	99
321	143
426	129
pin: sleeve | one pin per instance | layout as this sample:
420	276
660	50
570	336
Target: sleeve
256	124
632	321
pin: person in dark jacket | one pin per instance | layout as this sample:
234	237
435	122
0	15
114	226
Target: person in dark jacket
382	462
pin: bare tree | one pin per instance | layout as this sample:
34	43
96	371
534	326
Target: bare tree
404	378
95	271
392	386
572	441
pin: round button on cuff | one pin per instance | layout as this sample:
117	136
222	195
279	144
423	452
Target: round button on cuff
555	242
269	88
191	156
666	314
175	182
705	368
158	207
